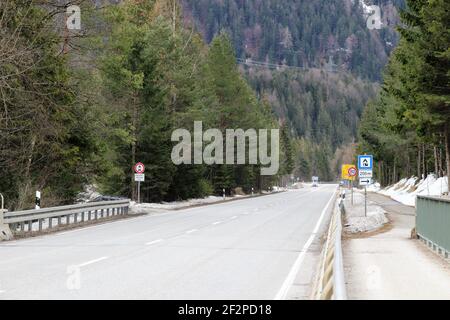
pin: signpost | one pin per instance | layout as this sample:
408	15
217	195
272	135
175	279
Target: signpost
365	168
349	172
139	169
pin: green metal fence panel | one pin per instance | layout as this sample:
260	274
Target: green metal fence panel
433	220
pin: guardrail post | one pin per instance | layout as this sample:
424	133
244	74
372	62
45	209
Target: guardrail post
5	232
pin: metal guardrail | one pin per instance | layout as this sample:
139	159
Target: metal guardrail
433	223
330	283
17	220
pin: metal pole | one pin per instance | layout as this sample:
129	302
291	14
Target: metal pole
365	201
139	192
3	201
352	191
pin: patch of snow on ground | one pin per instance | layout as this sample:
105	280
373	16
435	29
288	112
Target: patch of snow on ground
89	194
152	207
355	219
374	187
406	190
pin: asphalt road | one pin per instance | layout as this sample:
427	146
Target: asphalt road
246	249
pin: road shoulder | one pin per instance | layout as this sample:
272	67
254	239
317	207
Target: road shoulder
391	265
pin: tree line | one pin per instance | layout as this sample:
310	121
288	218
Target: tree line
408	126
81	107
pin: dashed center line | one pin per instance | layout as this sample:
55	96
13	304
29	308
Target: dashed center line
191	231
217	222
233	217
154	242
92	262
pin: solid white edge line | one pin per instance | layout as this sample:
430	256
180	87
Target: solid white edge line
92	262
216	223
154	242
287	284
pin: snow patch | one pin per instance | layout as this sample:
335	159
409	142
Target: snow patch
355	219
406	190
90	193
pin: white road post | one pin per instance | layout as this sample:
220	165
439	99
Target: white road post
224	194
38	200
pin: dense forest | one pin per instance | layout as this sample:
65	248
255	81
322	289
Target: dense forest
315	61
323	111
81	107
301	33
407	126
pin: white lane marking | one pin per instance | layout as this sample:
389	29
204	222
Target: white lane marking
216	223
2	291
154	242
246	213
92	262
233	217
288	282
191	231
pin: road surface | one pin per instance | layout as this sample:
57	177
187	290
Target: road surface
246	249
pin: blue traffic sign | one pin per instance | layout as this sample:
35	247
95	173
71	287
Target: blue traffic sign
365	162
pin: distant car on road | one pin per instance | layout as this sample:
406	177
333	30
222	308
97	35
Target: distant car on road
315	182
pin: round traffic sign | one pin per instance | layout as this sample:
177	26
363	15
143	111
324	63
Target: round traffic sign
139	168
352	172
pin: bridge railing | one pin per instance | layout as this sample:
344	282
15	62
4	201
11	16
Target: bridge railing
330	282
433	222
47	218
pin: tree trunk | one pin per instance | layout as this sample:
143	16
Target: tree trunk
133	145
436	165
418	162
408	162
23	194
380	176
424	169
394	174
447	153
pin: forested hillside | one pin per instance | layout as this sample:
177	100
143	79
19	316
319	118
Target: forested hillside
408	126
316	62
82	107
301	33
322	109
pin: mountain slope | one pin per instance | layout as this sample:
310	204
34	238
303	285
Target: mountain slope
301	33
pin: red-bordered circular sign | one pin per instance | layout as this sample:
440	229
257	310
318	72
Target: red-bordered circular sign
139	168
352	172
